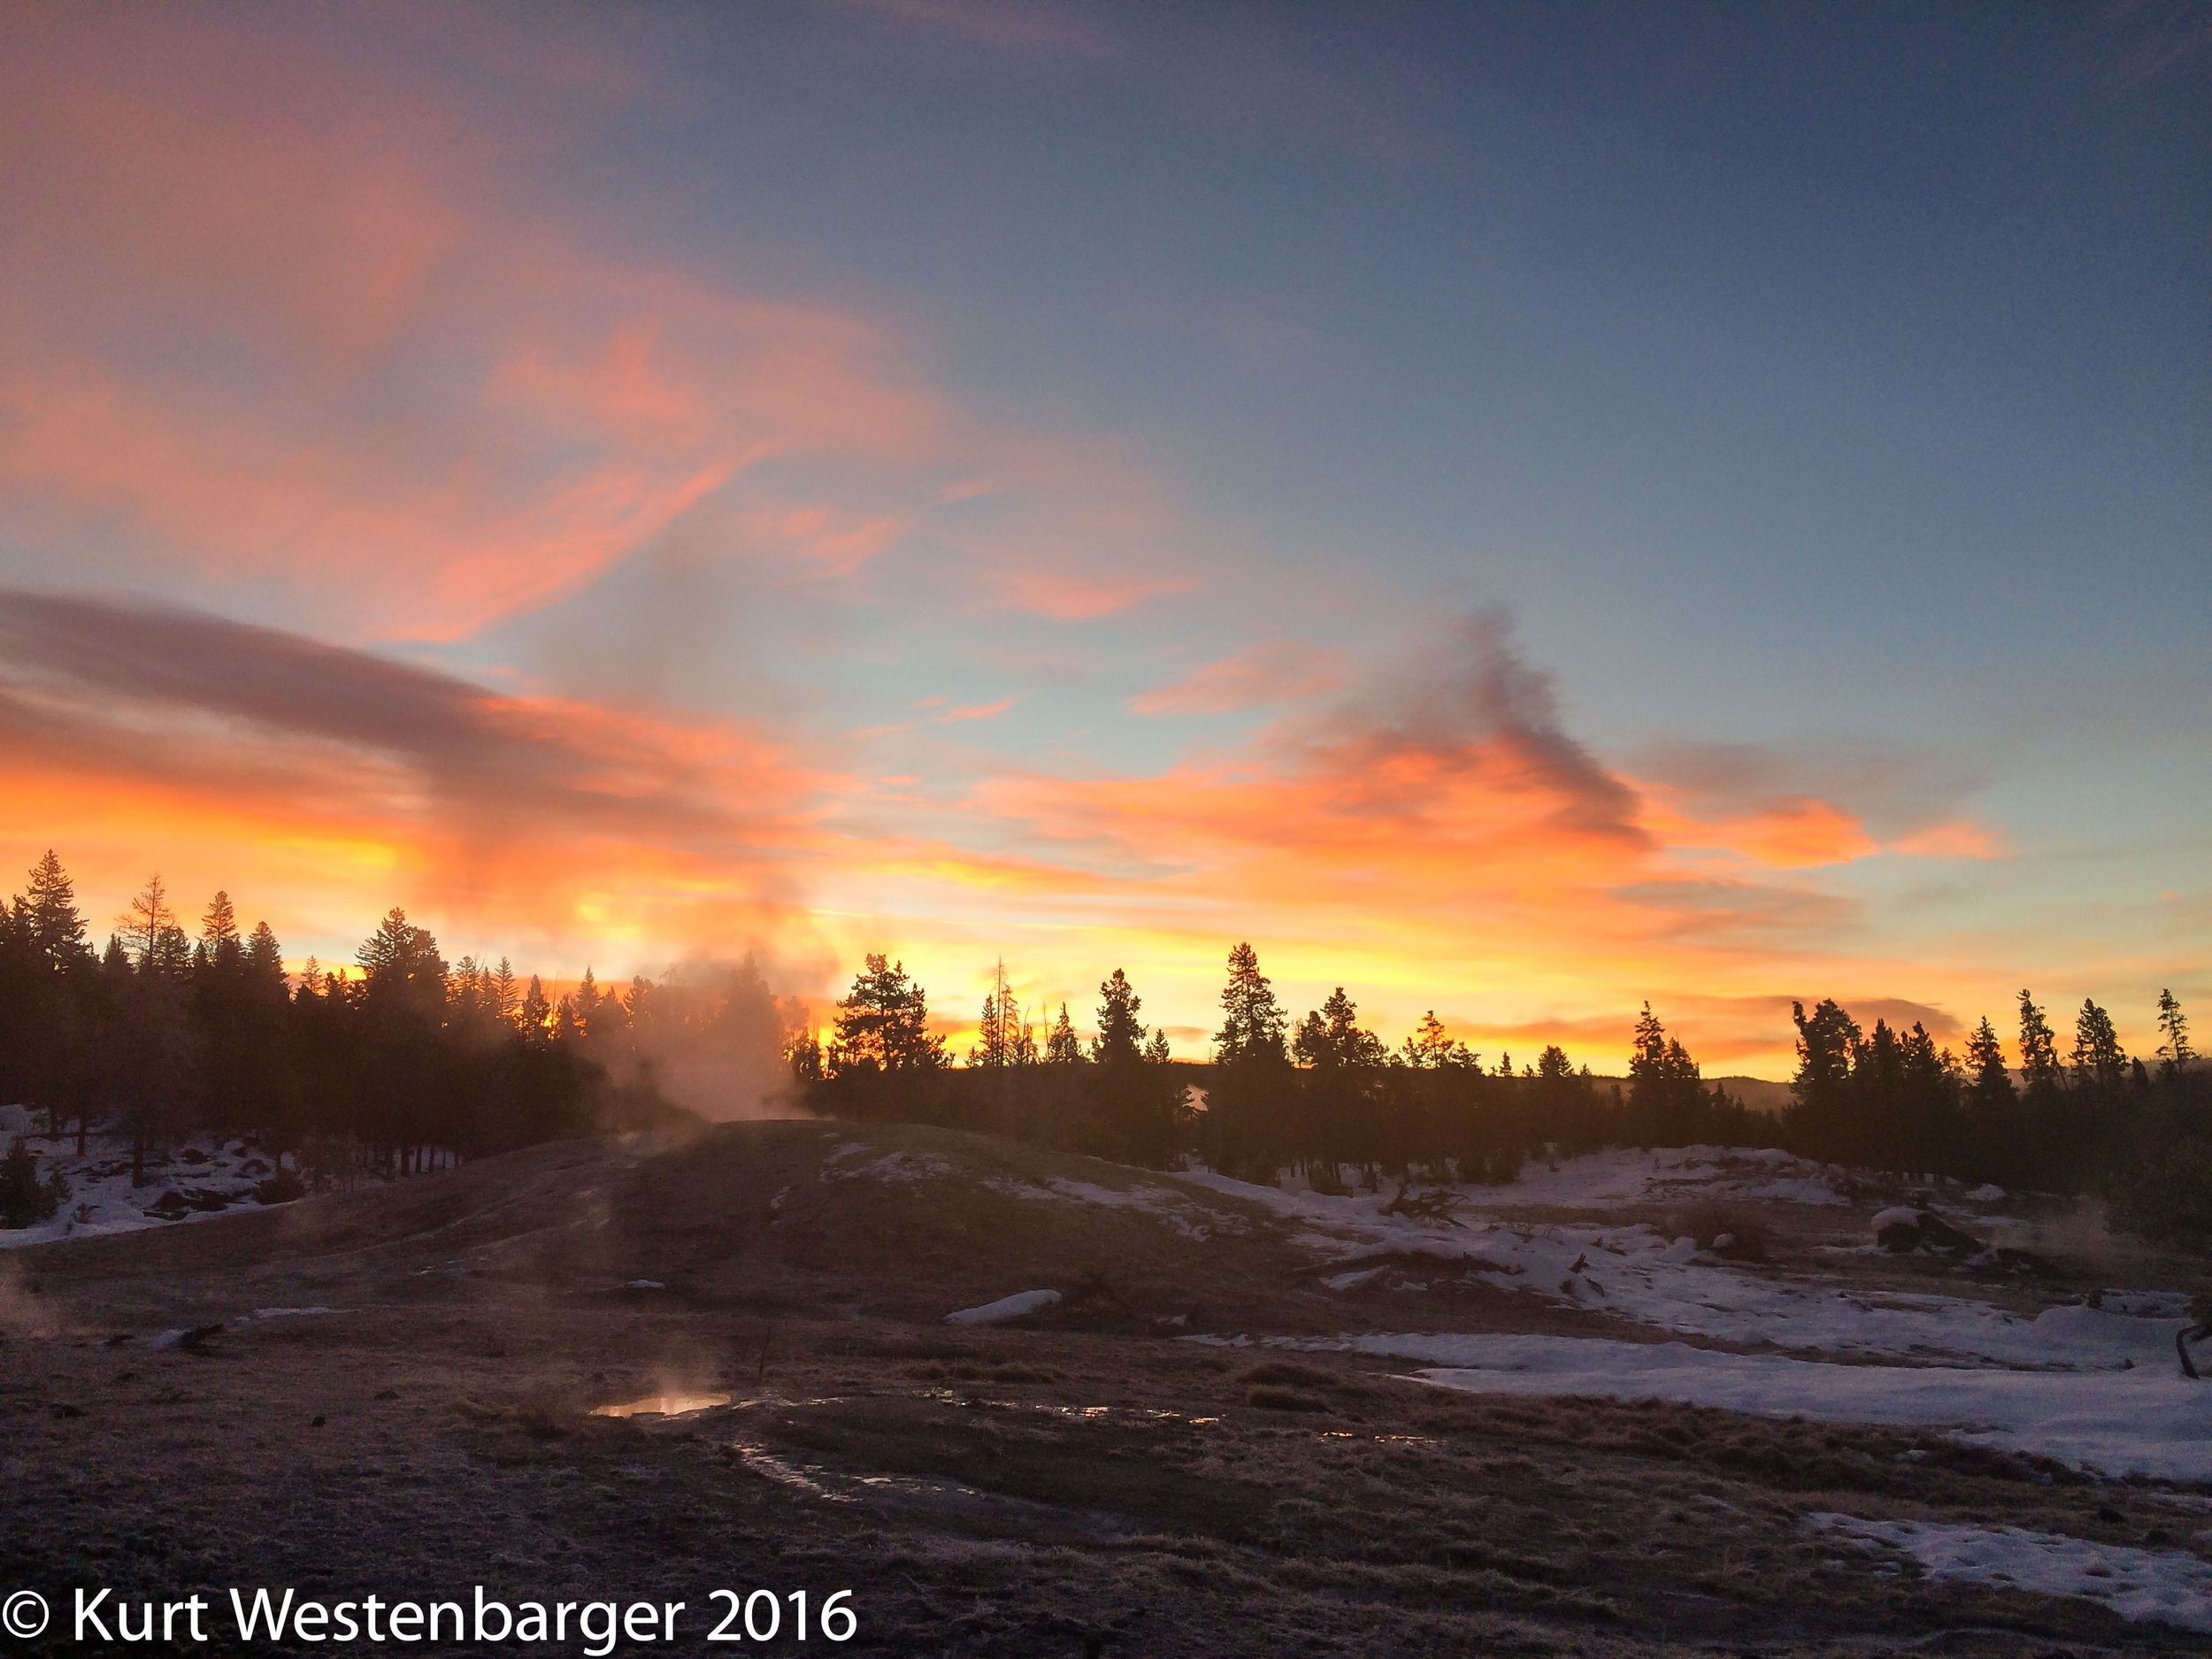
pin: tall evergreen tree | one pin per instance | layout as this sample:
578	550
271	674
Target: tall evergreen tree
402	969
1063	1047
1133	1105
2174	1053
1120	1036
1331	1036
219	925
2099	1062
1665	1091
883	1025
506	992
1246	1123
1253	1021
264	960
1428	1047
535	1014
1986	1063
1001	1030
2039	1049
588	1003
56	931
1820	1118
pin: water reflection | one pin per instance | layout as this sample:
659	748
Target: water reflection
661	1406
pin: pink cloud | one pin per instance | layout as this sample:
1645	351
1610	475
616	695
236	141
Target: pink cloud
1960	838
1275	672
414	397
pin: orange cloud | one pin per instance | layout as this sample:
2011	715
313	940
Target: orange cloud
324	782
1795	832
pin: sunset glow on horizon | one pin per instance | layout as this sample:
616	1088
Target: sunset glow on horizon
1515	512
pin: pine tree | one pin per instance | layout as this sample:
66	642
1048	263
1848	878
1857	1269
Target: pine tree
506	993
804	1057
402	969
535	1014
1427	1048
998	1033
49	903
1820	1118
1664	1092
588	1004
883	1025
2099	1062
264	960
2039	1049
1120	1037
1253	1021
1330	1036
1156	1050
219	926
150	928
1063	1047
2174	1054
1986	1060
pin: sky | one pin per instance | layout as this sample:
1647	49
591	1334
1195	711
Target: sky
1517	510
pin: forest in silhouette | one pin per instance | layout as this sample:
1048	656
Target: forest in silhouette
400	1061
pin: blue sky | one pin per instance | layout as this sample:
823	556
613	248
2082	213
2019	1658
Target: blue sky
1015	428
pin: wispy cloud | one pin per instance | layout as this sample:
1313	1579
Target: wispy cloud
360	366
1276	671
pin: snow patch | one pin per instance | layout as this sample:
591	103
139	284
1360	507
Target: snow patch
892	1166
202	1177
2154	1423
2144	1586
1019	1306
1169	1207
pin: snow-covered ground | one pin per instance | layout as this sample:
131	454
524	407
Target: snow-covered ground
2151	1421
2163	1586
1635	1273
200	1176
2095	1387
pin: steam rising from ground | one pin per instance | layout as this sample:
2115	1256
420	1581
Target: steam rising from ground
22	1314
712	1037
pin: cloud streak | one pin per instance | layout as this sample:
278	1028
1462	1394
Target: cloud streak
146	724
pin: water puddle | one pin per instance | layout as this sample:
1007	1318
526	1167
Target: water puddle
661	1406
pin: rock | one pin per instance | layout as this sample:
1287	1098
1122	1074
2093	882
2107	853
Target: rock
1901	1231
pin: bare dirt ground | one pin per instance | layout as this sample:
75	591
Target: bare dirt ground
1082	1483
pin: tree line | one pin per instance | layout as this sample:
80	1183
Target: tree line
1324	1095
394	1062
401	1058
